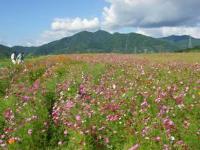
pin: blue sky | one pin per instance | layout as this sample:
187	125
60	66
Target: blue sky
35	22
23	20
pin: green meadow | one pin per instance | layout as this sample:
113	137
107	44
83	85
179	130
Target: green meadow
101	101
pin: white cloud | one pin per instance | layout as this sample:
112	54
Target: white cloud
151	13
76	24
62	27
167	31
3	42
150	17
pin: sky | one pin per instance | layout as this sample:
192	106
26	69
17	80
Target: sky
36	22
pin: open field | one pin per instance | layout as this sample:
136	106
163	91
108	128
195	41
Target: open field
101	101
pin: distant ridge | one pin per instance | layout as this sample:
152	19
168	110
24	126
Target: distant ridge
4	51
182	40
176	38
103	41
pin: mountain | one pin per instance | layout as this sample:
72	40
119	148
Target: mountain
4	51
26	50
182	41
101	41
176	38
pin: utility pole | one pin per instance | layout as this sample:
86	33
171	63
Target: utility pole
135	50
190	42
126	46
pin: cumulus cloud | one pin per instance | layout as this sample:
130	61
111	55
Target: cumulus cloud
76	24
151	13
150	17
62	27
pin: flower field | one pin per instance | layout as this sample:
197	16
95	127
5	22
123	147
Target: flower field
101	101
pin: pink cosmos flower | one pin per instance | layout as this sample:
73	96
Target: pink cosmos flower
106	140
112	117
180	142
144	104
166	147
186	124
157	139
36	85
157	100
78	117
25	98
111	106
163	110
145	131
179	99
8	114
56	114
169	124
34	117
82	90
134	147
69	105
65	132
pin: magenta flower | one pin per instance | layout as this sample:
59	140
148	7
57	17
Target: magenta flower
179	99
8	114
168	124
111	106
112	117
163	110
82	90
56	115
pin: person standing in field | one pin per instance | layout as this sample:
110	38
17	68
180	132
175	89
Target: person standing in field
20	58
14	58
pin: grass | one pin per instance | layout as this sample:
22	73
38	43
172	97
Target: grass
101	101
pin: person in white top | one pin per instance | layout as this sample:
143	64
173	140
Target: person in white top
19	58
13	58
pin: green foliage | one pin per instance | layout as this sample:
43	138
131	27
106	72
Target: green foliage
4	84
111	85
35	74
182	42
